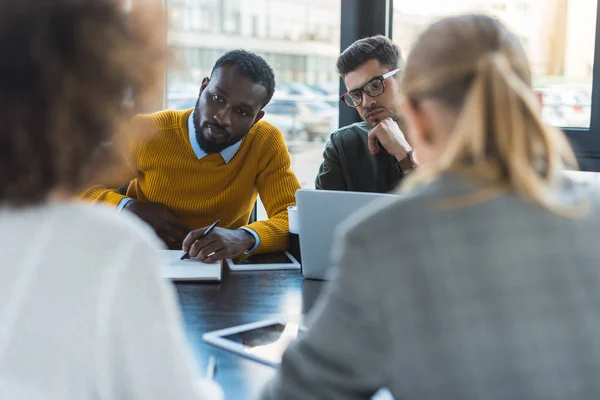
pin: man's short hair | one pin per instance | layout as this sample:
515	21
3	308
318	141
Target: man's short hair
251	66
372	48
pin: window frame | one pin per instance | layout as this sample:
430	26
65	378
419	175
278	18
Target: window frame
586	142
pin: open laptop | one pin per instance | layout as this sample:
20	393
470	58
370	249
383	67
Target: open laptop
319	214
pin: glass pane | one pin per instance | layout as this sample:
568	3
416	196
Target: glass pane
299	39
558	36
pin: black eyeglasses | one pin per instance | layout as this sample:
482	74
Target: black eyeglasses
375	87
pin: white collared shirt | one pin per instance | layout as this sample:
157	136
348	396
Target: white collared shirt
227	153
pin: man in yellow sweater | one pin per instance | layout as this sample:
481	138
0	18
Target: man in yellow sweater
210	163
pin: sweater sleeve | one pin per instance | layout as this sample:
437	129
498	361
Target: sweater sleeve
102	194
145	351
277	185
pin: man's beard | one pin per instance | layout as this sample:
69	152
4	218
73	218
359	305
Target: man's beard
208	145
395	116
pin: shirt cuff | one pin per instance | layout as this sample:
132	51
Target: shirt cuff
256	240
122	203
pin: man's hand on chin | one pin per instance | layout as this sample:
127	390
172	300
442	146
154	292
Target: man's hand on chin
219	244
388	134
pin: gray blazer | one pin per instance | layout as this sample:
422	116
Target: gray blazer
496	301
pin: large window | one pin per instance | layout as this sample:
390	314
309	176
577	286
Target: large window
300	39
558	36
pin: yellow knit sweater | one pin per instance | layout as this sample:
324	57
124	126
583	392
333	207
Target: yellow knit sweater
198	192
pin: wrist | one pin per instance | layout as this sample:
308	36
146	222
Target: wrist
123	203
248	240
408	163
402	152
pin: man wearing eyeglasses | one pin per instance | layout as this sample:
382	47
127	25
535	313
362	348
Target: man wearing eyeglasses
372	155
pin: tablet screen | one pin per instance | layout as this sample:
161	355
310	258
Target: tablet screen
268	342
268	258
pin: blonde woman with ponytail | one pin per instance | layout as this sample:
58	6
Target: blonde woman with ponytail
471	110
483	281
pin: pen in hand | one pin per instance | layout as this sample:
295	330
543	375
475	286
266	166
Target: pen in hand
211	368
206	232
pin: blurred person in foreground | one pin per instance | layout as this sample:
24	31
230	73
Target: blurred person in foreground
484	282
84	312
192	167
372	155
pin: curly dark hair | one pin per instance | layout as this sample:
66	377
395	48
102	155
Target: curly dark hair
251	66
376	47
69	74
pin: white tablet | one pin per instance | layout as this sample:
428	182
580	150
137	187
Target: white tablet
268	261
263	341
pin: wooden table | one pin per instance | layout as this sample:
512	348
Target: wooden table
240	298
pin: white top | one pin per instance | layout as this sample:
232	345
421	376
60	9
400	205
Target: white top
84	312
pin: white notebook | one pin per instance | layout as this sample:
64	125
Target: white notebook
189	270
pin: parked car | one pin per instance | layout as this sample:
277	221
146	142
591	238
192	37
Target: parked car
284	115
566	106
297	89
297	115
319	119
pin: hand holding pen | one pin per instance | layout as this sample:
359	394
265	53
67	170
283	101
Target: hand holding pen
220	244
203	235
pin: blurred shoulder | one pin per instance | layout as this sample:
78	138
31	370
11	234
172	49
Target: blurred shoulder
455	199
578	188
404	213
390	214
99	224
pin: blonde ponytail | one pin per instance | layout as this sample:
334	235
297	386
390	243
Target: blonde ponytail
499	137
